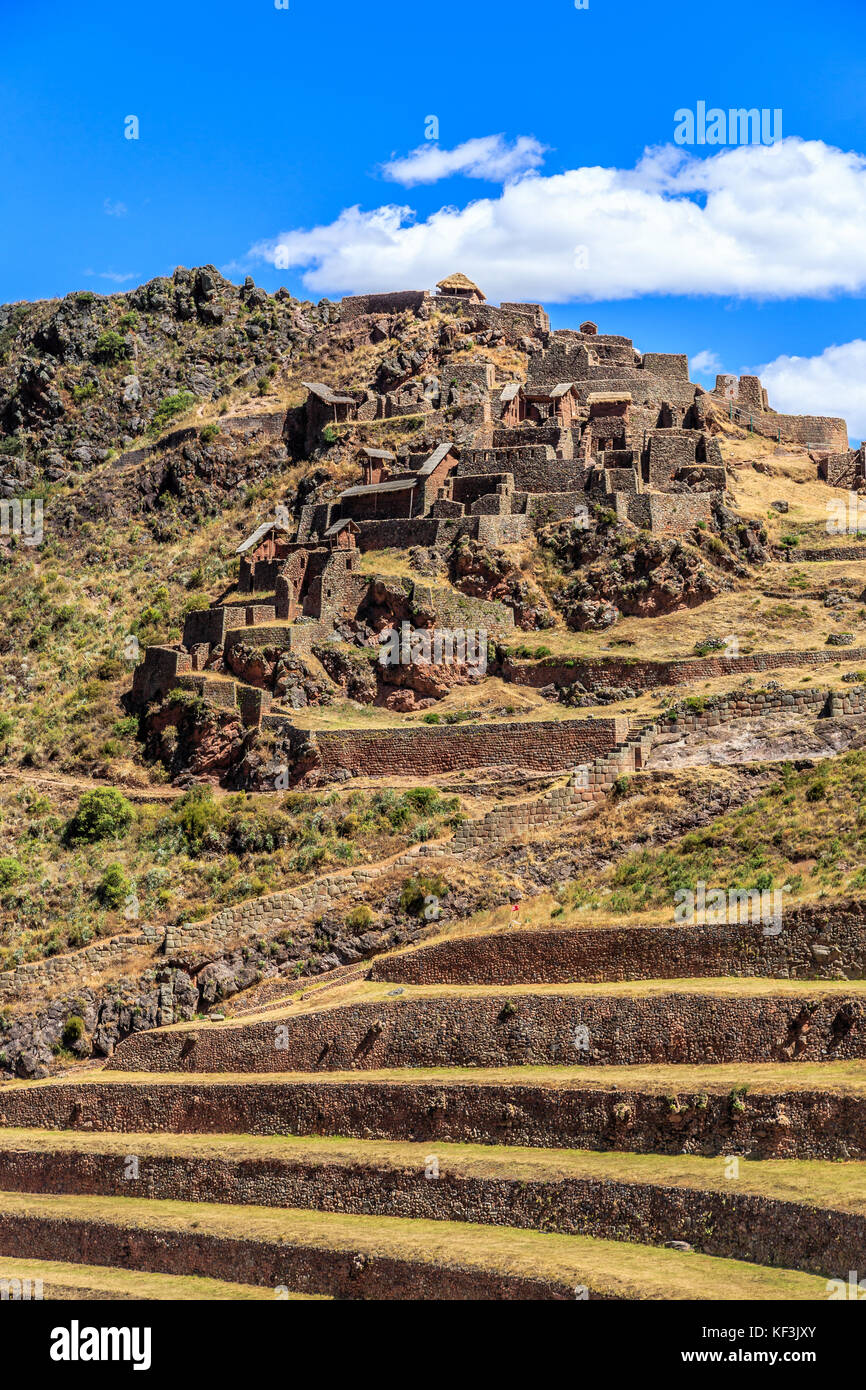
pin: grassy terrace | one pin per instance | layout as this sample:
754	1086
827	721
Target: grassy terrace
771	611
839	1186
371	992
617	1268
68	1281
841	1078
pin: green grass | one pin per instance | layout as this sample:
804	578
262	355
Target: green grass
808	831
183	858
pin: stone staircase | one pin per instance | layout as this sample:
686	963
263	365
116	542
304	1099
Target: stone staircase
479	1118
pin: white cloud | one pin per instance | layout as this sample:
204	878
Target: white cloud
759	221
114	209
833	383
112	275
487	157
705	363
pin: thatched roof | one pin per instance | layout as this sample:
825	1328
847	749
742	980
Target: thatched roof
458	282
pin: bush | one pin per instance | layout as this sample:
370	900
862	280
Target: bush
196	814
101	815
10	872
113	887
422	798
7	724
209	433
73	1032
416	890
111	347
168	408
360	918
195	604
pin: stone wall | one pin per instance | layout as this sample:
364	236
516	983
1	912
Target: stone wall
427	751
649	675
392	302
810	938
579	1114
670	365
272	424
533	468
519	1029
741	1225
420	530
827	554
158	673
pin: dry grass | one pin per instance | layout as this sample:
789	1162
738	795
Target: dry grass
79	1281
837	1078
379	992
838	1186
617	1268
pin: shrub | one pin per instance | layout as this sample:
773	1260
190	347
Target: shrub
101	814
360	918
111	347
7	724
73	1031
417	889
10	872
422	798
209	433
168	408
196	814
195	603
113	887
110	668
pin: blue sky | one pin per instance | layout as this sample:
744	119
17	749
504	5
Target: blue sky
260	128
